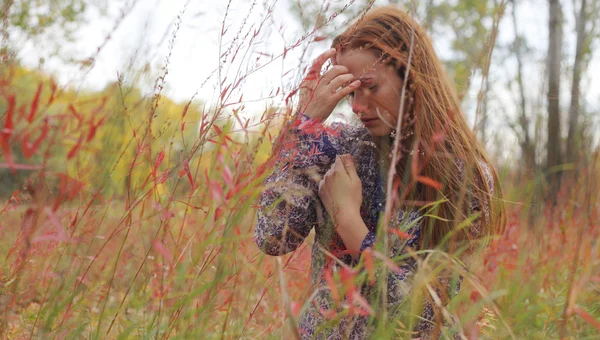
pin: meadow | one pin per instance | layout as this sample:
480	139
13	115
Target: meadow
129	215
164	248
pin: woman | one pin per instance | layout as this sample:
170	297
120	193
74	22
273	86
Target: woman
335	178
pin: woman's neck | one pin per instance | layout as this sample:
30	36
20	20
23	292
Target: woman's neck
383	142
384	146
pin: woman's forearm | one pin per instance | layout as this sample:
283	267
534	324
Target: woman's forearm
352	230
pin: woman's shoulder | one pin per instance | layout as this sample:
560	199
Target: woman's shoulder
351	138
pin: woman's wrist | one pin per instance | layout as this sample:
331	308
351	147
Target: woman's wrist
352	230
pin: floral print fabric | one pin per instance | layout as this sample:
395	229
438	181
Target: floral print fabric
289	208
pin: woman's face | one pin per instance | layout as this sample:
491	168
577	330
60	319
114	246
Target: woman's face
379	90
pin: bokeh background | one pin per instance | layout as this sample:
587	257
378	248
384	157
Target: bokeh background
135	135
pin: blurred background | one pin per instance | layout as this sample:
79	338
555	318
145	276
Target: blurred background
134	135
530	69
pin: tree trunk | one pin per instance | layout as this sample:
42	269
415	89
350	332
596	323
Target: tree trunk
573	145
527	146
554	138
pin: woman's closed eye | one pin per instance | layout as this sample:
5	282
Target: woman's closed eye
371	89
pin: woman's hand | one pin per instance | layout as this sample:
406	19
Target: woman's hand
340	191
319	94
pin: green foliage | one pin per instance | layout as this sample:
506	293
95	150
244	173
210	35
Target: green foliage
34	17
138	222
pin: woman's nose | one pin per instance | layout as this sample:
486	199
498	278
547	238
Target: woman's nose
359	105
359	108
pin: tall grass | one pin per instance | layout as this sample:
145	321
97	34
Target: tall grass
172	254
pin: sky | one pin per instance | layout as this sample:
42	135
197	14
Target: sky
145	35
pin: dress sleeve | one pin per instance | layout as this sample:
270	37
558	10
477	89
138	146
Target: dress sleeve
289	206
405	230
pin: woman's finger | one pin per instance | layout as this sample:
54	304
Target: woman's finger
339	165
315	69
333	72
341	80
346	90
349	166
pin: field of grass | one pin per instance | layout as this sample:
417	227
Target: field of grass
173	255
126	216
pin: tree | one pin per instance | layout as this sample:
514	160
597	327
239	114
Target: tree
526	142
573	139
553	149
50	21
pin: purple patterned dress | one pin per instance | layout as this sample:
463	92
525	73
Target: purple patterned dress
290	208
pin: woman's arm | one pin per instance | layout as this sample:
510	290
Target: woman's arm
357	237
353	231
289	206
405	229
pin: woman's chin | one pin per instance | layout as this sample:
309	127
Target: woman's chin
377	131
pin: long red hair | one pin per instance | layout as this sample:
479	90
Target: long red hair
438	129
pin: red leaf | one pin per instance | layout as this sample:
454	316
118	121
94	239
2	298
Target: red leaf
224	92
34	103
386	260
347	276
401	234
93	128
186	167
587	317
289	96
77	115
42	137
185	110
331	284
320	38
163	177
159	158
367	255
227	176
328	314
53	88
215	191
428	181
7	132
395	186
75	148
295	307
218	213
8	123
360	300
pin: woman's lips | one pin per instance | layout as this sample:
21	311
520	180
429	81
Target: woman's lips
368	121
